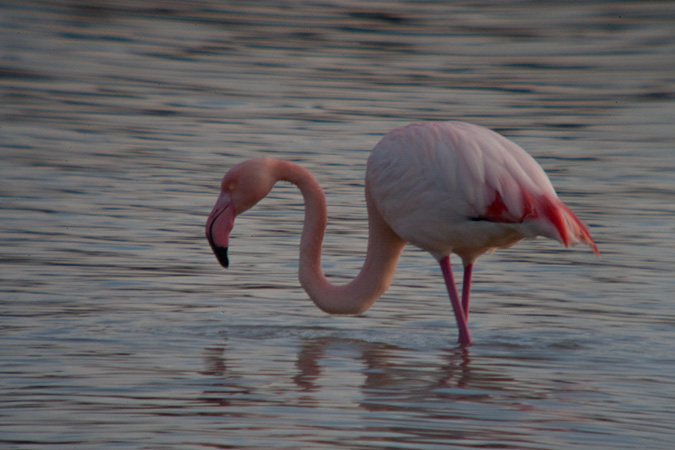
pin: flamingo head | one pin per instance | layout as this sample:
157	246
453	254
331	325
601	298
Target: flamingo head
242	187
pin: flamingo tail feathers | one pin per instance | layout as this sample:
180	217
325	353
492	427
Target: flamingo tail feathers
569	228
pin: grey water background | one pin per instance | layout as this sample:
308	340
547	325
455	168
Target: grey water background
118	329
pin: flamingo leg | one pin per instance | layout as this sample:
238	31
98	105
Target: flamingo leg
460	315
466	289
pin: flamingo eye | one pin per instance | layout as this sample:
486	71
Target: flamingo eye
231	186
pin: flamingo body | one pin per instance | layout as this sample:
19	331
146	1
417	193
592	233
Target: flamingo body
445	187
454	187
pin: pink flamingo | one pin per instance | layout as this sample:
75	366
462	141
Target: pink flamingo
446	187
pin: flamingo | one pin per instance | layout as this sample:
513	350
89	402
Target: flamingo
445	187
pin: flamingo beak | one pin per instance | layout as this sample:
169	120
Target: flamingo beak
218	227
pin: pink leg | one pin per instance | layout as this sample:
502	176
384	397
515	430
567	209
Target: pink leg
466	289
460	315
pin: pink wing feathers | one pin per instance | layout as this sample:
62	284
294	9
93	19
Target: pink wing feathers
517	188
451	177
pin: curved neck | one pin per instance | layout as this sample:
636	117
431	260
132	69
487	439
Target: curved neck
384	248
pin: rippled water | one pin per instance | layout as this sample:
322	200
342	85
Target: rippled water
119	330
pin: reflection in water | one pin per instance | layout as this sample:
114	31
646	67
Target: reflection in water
395	395
391	380
381	366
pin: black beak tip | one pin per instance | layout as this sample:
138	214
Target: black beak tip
221	254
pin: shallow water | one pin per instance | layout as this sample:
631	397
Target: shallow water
119	330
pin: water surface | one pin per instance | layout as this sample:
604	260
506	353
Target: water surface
119	330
